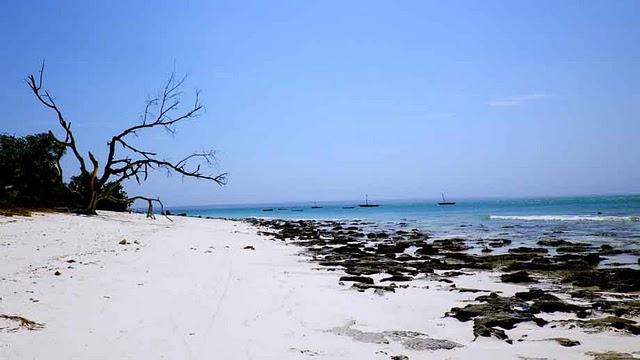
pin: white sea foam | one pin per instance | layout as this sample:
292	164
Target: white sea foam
565	218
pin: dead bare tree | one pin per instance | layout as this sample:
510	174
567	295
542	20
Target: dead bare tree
125	160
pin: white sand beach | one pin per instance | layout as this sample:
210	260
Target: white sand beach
191	289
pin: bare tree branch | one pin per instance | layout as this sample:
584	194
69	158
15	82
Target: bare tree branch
162	112
47	100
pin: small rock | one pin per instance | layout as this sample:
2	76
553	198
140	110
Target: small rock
123	242
57	273
566	342
397	278
249	247
399	357
360	279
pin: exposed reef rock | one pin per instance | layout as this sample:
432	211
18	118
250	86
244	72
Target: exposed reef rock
366	252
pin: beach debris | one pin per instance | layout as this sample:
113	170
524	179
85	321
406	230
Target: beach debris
22	323
305	351
399	357
565	342
611	355
249	247
411	340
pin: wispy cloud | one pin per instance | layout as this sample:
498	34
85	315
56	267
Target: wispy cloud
516	100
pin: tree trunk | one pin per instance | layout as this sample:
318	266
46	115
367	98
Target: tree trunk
92	205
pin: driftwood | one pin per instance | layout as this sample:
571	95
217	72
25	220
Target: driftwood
22	322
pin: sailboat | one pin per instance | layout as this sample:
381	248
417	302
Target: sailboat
316	206
366	202
445	202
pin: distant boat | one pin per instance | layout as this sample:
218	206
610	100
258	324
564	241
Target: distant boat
297	209
316	206
281	209
267	209
445	202
366	202
348	207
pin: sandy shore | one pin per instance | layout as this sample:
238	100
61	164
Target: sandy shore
191	289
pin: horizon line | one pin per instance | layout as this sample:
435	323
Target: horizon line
396	199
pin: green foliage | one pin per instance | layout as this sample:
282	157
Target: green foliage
29	172
117	192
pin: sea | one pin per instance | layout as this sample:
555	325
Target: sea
613	220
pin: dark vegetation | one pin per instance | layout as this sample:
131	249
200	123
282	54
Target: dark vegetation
31	175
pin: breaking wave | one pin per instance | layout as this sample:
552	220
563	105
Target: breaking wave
565	218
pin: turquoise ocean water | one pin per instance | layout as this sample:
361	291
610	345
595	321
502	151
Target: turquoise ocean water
614	220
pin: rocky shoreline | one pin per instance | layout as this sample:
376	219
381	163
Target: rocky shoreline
562	277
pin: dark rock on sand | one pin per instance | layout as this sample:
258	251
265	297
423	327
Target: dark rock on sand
426	249
360	279
534	294
398	278
610	322
451	244
517	277
392	248
620	280
528	250
399	357
554	242
492	315
573	249
377	288
499	242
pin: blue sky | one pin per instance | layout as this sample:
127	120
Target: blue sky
328	100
